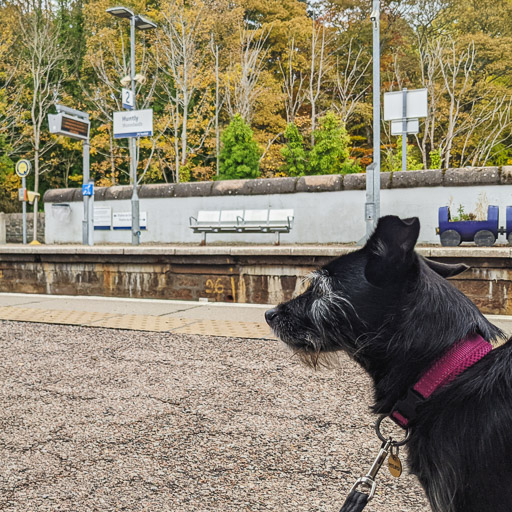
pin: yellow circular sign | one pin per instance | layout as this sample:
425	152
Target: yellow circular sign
23	168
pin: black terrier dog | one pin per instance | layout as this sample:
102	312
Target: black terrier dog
395	313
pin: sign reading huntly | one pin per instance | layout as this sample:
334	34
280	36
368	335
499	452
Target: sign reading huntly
137	123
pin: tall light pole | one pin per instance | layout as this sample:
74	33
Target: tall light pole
141	23
372	206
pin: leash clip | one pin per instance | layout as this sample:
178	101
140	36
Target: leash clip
369	482
369	479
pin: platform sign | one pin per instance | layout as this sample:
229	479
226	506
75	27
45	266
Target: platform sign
102	218
23	168
416	104
127	99
397	126
88	189
137	123
123	220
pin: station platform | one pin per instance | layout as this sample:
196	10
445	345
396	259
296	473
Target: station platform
152	315
184	317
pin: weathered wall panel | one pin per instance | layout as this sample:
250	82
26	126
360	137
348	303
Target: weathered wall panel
271	276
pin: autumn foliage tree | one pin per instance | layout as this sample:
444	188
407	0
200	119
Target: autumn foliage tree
275	62
330	152
294	153
240	154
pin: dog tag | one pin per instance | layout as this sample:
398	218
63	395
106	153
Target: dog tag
394	465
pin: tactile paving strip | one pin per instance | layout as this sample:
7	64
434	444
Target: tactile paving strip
226	328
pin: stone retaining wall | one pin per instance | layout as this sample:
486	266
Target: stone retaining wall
14	227
469	176
264	275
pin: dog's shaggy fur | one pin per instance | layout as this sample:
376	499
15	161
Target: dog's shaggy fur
395	313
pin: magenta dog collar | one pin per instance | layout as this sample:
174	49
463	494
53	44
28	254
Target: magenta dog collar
456	360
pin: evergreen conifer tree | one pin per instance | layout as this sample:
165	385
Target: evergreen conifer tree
330	151
240	154
294	153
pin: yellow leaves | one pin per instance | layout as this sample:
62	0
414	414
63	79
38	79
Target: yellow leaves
11	185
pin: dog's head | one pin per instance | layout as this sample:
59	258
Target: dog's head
350	300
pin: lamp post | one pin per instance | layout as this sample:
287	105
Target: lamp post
141	23
372	206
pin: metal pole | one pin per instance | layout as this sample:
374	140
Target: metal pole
34	231
133	152
88	222
24	206
404	129
372	207
217	138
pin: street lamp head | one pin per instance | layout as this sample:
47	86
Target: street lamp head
143	23
120	12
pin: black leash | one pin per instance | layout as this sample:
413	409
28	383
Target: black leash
357	500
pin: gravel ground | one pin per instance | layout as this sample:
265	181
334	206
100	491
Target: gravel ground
103	419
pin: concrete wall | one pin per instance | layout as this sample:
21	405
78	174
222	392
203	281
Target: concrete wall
328	209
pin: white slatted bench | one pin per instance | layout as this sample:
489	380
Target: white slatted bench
242	221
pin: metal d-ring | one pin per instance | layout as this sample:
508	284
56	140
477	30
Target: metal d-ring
384	439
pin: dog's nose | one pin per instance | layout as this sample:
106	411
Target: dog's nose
270	315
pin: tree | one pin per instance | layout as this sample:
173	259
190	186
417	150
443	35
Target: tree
294	153
240	155
243	88
330	151
43	56
350	80
393	160
293	81
9	181
320	67
184	51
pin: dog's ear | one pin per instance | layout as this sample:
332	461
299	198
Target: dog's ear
444	269
391	249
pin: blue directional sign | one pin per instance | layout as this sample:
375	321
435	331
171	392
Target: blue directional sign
88	189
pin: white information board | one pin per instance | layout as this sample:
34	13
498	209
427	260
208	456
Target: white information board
102	218
413	126
137	123
123	220
416	104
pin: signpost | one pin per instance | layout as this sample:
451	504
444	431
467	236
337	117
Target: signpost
403	108
23	170
372	205
137	123
75	124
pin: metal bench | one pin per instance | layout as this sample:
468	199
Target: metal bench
242	221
